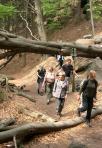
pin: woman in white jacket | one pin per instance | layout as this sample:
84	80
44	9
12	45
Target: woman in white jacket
60	91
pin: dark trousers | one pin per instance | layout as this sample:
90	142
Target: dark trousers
59	104
87	106
60	63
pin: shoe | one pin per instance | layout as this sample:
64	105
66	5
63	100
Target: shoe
59	114
38	91
88	124
78	112
48	102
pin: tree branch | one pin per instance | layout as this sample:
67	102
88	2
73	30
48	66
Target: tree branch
27	26
5	63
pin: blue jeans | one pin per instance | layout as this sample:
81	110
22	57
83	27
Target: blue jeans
59	104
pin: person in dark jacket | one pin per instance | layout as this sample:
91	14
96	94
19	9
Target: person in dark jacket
60	58
69	72
88	91
41	74
68	68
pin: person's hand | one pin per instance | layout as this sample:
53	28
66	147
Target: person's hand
66	96
43	85
78	97
94	100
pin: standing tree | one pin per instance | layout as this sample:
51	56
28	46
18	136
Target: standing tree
39	21
92	21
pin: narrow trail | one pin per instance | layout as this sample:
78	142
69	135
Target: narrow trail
91	137
70	107
81	134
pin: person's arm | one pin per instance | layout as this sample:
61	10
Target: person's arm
74	72
55	85
82	89
38	74
44	81
95	96
67	92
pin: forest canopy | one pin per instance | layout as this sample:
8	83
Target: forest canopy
55	12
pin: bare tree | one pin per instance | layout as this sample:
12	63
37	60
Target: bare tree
39	20
92	21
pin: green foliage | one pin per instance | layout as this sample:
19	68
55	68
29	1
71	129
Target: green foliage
55	12
96	8
6	10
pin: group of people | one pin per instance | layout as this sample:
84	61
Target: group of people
57	85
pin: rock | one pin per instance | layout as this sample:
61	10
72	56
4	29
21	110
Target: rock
77	145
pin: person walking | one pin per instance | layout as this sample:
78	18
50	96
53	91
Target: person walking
88	91
68	69
60	92
49	83
41	74
60	58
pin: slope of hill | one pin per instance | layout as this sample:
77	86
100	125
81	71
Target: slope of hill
13	107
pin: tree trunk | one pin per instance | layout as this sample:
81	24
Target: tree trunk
39	21
92	21
6	122
40	24
42	128
15	44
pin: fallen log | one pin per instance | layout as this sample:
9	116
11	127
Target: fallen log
42	128
19	44
6	122
21	93
7	128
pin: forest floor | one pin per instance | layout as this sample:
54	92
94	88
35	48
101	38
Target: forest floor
89	137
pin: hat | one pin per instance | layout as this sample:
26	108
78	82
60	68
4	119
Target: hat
61	73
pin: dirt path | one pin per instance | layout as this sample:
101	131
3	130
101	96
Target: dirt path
90	137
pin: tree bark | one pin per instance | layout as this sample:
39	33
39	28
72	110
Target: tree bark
19	92
18	44
42	128
6	122
40	24
39	21
92	20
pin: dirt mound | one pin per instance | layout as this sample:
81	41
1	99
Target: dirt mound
30	76
73	31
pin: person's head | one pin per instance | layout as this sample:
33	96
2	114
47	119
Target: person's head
92	74
61	76
41	67
60	52
68	61
50	69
